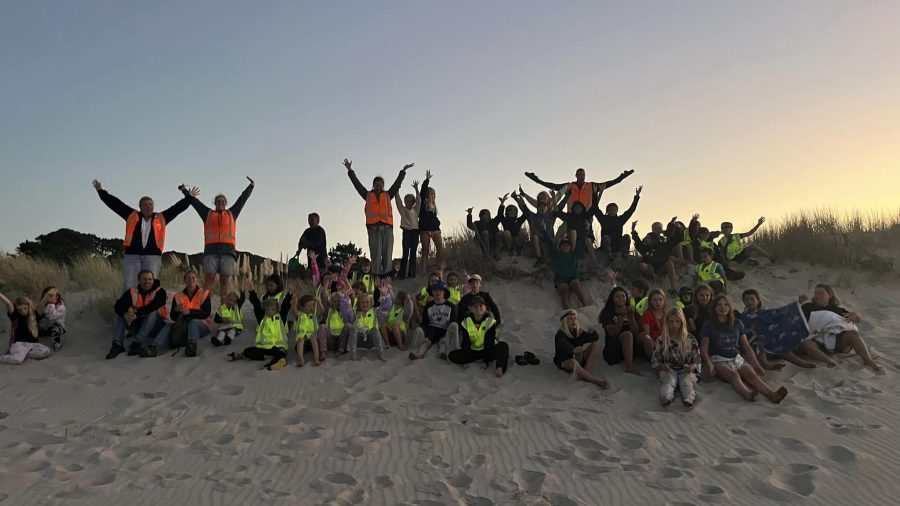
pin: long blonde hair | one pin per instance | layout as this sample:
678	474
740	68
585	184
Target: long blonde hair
565	328
683	339
32	321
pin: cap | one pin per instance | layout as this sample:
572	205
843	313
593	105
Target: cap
685	290
477	300
439	286
476	276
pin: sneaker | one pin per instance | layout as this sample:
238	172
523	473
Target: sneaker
134	349
57	343
190	350
148	351
228	340
215	342
235	356
114	351
277	365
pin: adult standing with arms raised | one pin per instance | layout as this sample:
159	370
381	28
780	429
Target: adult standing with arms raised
145	231
219	234
582	191
379	216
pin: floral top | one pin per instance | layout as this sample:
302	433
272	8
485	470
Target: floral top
676	359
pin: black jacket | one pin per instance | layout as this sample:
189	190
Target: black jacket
124	210
124	303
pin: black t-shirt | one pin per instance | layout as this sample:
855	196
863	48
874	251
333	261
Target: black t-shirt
20	331
611	318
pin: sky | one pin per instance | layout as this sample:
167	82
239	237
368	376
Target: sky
733	110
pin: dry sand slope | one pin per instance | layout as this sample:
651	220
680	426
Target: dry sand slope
77	429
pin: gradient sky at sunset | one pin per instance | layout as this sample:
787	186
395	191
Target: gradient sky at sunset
733	110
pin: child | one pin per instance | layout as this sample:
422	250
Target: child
776	331
438	323
364	276
230	319
52	309
710	272
305	328
698	312
652	322
486	231
423	298
409	223
274	290
835	329
334	332
394	329
685	297
638	301
456	291
479	340
565	274
513	237
734	250
577	349
271	337
23	338
676	359
621	324
365	328
722	338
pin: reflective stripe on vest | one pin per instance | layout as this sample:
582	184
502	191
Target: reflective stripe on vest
585	194
158	222
304	327
395	317
138	301
219	228
237	319
366	280
679	304
732	245
335	322
455	295
477	333
640	307
687	238
368	321
424	294
378	209
195	303
707	273
707	245
270	333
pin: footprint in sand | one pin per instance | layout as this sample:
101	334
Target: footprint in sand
712	493
339	479
153	395
229	390
529	481
460	481
840	454
3	414
787	482
794	445
384	481
213	419
632	441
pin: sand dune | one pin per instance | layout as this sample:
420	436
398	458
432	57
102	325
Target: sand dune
77	429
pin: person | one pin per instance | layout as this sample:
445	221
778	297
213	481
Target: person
478	339
685	297
565	274
722	339
52	322
835	329
542	222
705	239
274	290
579	224
621	325
219	237
638	301
229	318
513	237
577	349
140	311
314	240
145	231
456	289
613	241
430	224
652	322
486	231
394	329
271	337
475	285
656	252
676	359
698	312
438	324
379	215
334	332
774	331
582	191
409	224
305	328
733	248
23	337
424	296
365	333
710	272
193	305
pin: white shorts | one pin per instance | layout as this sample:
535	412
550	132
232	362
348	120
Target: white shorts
734	364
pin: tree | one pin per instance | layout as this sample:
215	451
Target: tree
65	245
341	253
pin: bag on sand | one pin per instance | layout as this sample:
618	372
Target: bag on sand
179	338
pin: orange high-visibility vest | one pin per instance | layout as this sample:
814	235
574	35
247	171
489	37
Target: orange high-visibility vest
219	228
194	303
158	222
378	209
585	194
139	300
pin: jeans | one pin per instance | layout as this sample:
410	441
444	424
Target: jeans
133	264
381	248
327	342
142	328
195	330
410	245
682	380
367	339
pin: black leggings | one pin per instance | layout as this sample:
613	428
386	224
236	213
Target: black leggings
408	260
500	353
254	353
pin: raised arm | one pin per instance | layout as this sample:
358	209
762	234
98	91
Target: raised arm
622	176
392	191
112	202
360	189
181	206
239	203
198	206
528	198
9	305
630	211
755	227
553	186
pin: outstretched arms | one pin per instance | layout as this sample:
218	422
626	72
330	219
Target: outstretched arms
116	205
553	186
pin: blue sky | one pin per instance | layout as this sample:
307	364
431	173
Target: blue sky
731	110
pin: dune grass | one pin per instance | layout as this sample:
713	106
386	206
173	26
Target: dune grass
21	275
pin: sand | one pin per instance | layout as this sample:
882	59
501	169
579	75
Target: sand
78	429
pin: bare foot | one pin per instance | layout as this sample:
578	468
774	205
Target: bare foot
807	365
443	356
354	356
687	404
778	395
600	382
299	364
774	367
875	367
317	363
498	373
750	395
830	364
633	370
666	401
414	356
381	357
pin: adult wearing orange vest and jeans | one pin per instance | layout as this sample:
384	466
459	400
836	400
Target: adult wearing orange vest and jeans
139	311
379	217
145	232
194	304
219	234
582	191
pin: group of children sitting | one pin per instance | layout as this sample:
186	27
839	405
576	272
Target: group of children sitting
28	322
